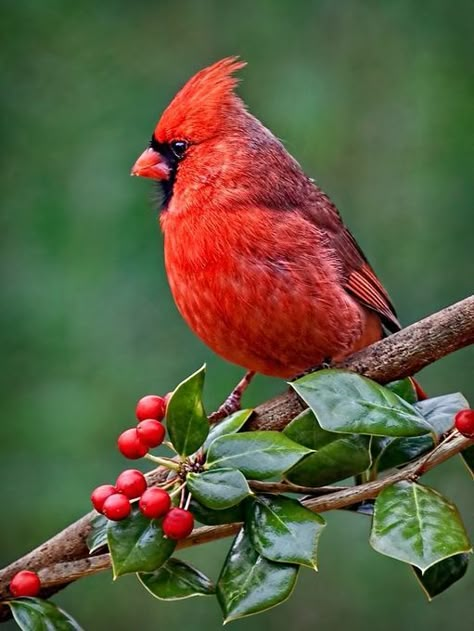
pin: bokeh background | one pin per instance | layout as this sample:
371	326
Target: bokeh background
374	98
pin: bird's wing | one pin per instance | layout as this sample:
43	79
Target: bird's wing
360	279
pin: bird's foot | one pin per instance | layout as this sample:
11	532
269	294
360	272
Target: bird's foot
326	363
232	403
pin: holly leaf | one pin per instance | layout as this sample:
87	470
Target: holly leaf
440	576
346	402
283	530
404	388
211	517
137	544
176	580
186	419
97	537
336	456
33	614
438	412
249	583
417	525
467	456
218	488
229	425
388	453
257	455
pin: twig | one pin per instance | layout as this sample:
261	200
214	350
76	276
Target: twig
395	357
344	497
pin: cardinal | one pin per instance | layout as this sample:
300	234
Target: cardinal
259	261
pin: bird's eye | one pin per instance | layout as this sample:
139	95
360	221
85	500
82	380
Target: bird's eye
178	147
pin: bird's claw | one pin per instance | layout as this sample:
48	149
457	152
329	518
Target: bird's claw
233	402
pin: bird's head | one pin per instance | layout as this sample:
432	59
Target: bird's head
207	149
194	131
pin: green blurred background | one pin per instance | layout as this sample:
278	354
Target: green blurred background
374	98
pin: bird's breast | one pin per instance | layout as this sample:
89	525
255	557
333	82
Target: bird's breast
260	289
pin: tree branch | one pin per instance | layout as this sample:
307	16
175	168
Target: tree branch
65	557
400	355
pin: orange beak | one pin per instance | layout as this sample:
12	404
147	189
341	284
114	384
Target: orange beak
151	164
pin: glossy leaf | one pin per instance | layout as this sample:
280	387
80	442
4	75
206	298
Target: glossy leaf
211	517
283	530
35	614
137	544
392	452
218	488
97	537
468	459
438	412
229	425
249	583
186	419
176	580
258	455
439	577
404	388
336	456
346	402
415	524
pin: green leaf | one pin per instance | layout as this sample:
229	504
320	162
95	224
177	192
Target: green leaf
216	517
249	583
415	524
346	402
176	580
439	411
336	456
218	488
229	425
35	614
258	455
186	419
439	577
468	459
404	388
388	453
283	530
97	537
137	544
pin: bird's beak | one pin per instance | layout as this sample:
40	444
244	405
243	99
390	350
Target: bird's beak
151	164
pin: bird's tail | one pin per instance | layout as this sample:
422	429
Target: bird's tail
420	393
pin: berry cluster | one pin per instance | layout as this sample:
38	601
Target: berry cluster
114	501
135	442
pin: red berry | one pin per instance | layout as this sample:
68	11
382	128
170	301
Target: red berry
151	432
100	494
178	523
25	583
464	422
131	483
154	503
130	445
151	406
117	507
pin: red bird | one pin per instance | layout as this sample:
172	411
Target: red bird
259	262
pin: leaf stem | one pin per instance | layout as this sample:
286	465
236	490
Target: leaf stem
178	490
164	462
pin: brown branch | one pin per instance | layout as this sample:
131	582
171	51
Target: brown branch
65	557
400	355
342	497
